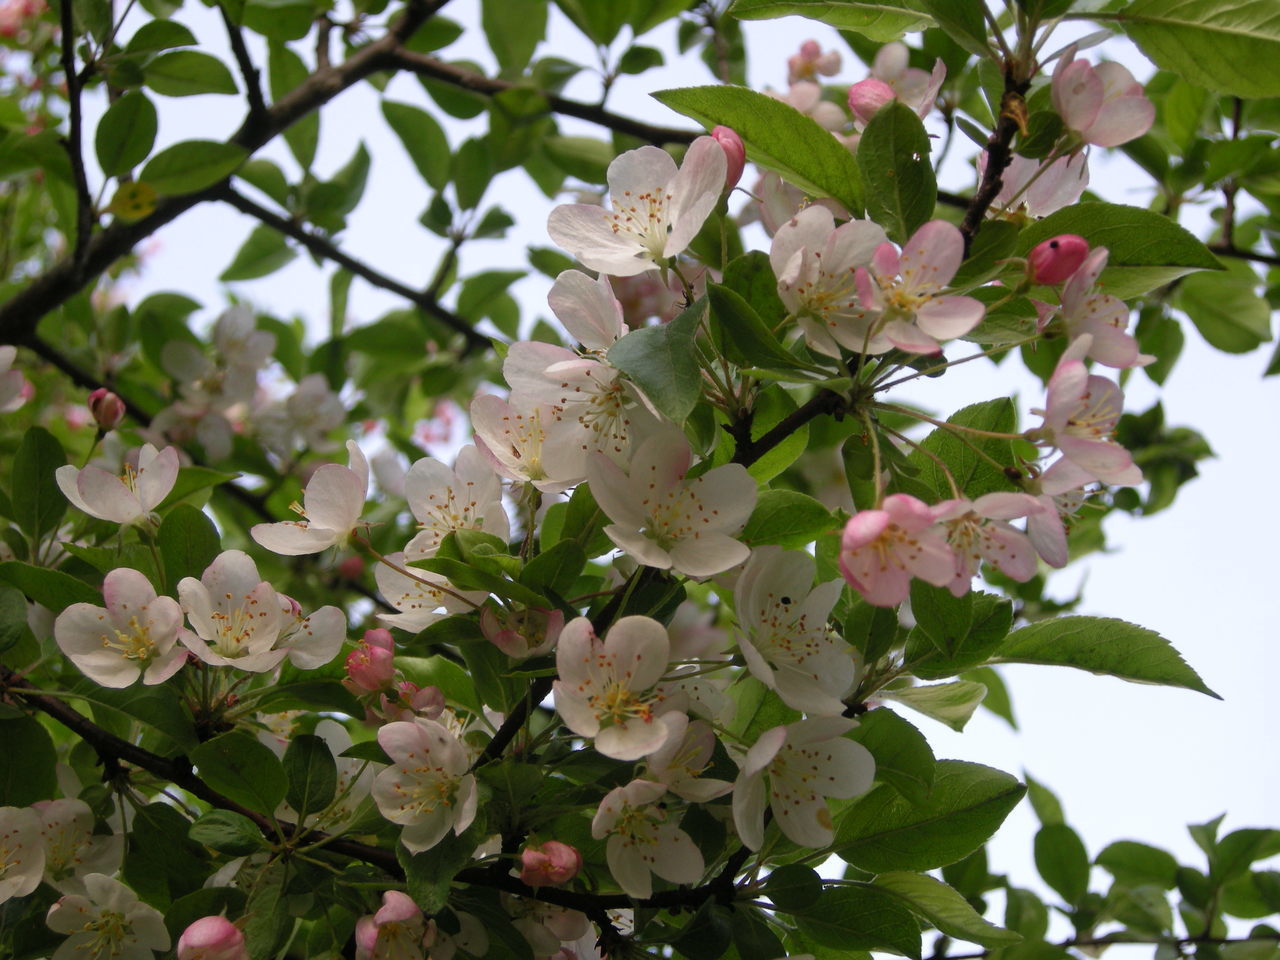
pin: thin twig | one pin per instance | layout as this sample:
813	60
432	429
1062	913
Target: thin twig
73	143
822	402
252	77
999	154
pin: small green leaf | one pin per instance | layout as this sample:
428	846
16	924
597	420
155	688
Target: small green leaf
190	166
971	470
875	19
950	703
555	569
788	518
941	653
26	763
186	73
423	139
312	773
280	20
743	336
663	363
263	252
13	617
1104	646
1063	861
1135	864
227	832
188	543
238	766
943	907
429	874
860	916
904	759
286	71
793	886
883	831
893	157
777	136
1045	803
160	35
38	504
126	133
513	28
1226	308
49	588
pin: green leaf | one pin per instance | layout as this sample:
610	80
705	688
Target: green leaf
166	724
950	703
160	35
904	759
192	480
897	177
49	588
471	171
513	28
877	20
860	917
1063	861
788	518
267	177
26	763
742	335
1104	646
945	619
285	71
943	907
972	472
1045	803
186	73
38	504
793	886
263	252
280	20
312	773
662	362
941	654
126	133
555	569
586	158
429	874
883	831
238	766
757	709
777	136
227	832
1135	864
1210	43
961	21
423	139
452	679
1147	250
13	617
1226	308
188	543
191	165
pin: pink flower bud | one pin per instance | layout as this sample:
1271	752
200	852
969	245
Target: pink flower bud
212	938
106	407
369	666
734	152
1056	259
552	864
866	97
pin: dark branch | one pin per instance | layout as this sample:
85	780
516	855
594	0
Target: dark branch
824	401
1270	259
999	154
427	66
322	247
250	73
73	142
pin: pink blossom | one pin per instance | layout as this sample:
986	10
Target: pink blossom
811	61
15	389
427	789
106	407
1039	187
1087	310
521	634
212	938
979	530
1052	261
866	97
1104	105
407	701
127	498
331	506
735	154
396	932
882	549
549	865
806	97
590	309
370	665
893	79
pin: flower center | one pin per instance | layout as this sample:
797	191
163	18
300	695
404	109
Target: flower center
107	935
618	704
134	644
643	216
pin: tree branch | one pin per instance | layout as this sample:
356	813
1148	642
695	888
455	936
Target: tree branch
428	66
1224	250
824	401
322	247
73	142
999	154
252	78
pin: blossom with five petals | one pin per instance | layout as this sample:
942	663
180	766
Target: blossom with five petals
882	549
1086	310
71	848
1103	105
395	932
21	852
135	634
643	841
657	209
979	530
108	923
127	498
331	506
679	763
428	789
1038	187
606	689
419	595
466	497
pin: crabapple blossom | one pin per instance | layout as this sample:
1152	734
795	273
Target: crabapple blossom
212	938
331	506
1039	187
109	922
666	521
814	261
395	932
1103	105
605	687
370	666
406	701
893	79
979	530
22	855
71	848
882	549
589	309
679	762
657	209
902	292
419	595
804	763
643	841
14	388
427	789
471	937
135	635
779	201
466	497
106	407
549	864
811	61
521	634
1054	260
1080	414
1086	310
127	498
787	644
806	97
1047	529
512	438
240	621
735	154
306	417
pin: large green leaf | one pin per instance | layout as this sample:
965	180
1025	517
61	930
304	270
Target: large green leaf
893	157
1226	308
26	762
1229	46
1104	646
860	917
776	136
163	719
238	766
186	73
49	588
880	20
945	908
950	703
883	831
38	504
191	165
904	759
423	139
662	362
786	517
126	133
1147	250
969	456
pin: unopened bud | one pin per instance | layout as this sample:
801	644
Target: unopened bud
106	407
370	666
734	153
1056	259
552	864
866	97
212	938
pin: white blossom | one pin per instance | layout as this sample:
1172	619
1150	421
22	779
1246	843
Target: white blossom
427	790
108	923
643	841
